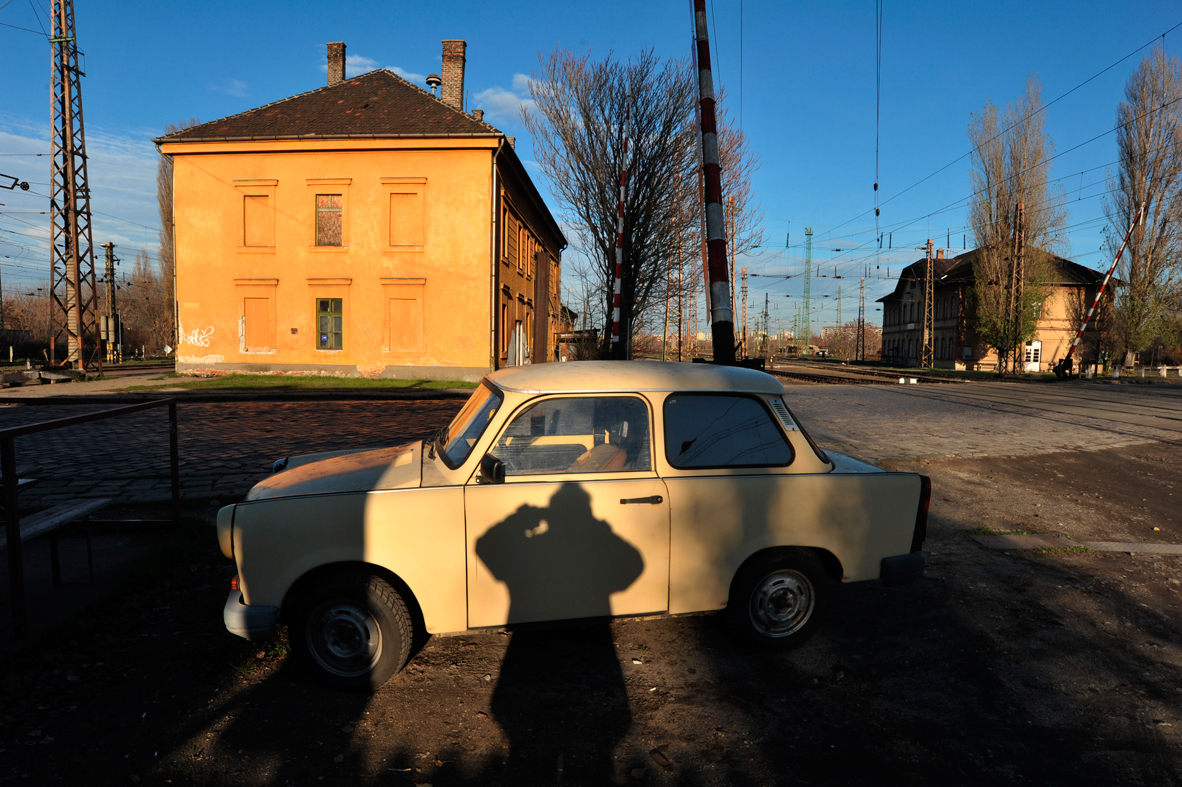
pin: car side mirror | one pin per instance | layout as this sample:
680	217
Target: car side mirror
492	470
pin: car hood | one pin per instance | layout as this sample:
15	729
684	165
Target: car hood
362	471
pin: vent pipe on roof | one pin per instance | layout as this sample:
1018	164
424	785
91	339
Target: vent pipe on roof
453	73
336	62
434	81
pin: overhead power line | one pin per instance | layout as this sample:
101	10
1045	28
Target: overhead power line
1059	98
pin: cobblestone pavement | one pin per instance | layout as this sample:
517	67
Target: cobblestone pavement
226	447
985	419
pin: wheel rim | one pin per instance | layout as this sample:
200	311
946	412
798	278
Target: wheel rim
344	638
782	603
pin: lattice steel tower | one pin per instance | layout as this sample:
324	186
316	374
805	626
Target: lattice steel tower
71	256
807	318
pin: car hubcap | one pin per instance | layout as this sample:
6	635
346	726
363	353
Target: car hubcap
344	638
782	603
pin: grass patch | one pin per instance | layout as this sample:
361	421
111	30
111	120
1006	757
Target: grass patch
1062	550
276	382
988	531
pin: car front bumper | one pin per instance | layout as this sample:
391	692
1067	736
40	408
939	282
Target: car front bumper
252	623
901	569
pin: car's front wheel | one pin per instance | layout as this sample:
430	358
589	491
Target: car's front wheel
778	599
352	630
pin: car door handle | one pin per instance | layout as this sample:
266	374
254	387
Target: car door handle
654	500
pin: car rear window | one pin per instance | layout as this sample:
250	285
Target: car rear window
722	430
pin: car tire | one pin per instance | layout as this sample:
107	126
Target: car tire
778	599
351	630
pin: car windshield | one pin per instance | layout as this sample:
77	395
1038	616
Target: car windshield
455	443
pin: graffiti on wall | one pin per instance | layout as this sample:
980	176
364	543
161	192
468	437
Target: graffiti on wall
198	337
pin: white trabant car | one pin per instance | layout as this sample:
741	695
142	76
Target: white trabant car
568	491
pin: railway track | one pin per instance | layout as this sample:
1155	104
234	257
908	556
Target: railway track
860	377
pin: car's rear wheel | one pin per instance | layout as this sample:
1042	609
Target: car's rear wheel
351	630
778	599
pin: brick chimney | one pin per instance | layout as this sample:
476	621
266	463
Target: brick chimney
453	73
336	62
939	254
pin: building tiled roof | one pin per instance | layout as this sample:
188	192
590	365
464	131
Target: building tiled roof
959	270
377	104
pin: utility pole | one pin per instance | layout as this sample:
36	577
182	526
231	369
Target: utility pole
722	318
1018	283
807	312
860	349
109	329
744	339
71	254
767	332
617	329
665	332
929	312
730	239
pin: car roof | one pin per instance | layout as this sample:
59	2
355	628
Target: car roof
627	376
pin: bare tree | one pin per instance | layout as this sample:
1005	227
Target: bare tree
146	305
1010	166
167	256
1149	141
842	340
577	125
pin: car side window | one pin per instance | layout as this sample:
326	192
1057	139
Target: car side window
704	430
577	435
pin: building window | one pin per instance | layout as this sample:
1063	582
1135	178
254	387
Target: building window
504	328
513	231
258	221
329	216
406	324
406	218
330	315
258	332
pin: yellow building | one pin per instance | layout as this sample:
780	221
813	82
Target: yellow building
367	228
955	343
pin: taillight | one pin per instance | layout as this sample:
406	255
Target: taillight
234	583
921	514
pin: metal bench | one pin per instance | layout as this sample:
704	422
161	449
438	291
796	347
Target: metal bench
54	521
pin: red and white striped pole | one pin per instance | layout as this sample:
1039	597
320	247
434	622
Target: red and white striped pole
1099	293
620	235
722	321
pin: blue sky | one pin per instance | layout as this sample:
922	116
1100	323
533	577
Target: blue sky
805	72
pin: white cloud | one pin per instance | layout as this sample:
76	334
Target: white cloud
356	65
418	80
122	171
232	87
506	105
521	83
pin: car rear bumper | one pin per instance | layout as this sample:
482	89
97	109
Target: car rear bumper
901	569
252	623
